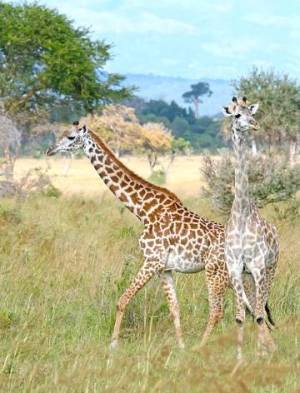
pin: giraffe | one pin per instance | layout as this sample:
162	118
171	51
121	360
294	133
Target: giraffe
251	243
174	238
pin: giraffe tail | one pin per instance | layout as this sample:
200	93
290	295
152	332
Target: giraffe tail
270	322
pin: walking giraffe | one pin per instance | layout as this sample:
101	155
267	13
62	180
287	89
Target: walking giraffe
251	243
174	238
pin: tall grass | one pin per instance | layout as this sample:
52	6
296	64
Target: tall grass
65	262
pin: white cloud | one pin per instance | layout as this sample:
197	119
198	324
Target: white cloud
230	49
290	24
114	22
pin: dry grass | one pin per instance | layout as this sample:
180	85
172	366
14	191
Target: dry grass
63	264
82	178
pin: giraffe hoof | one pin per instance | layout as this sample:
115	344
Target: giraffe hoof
113	345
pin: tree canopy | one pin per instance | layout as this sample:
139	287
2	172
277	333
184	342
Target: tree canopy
46	61
201	133
193	96
279	100
120	128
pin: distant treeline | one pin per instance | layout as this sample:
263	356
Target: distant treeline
202	133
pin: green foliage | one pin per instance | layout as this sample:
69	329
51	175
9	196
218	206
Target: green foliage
180	145
158	177
279	100
51	191
6	319
198	90
10	215
271	180
45	60
201	133
289	212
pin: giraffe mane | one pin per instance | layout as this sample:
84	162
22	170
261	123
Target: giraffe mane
136	177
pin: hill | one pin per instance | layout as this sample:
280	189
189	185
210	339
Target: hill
170	88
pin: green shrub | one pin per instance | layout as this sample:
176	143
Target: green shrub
158	177
271	180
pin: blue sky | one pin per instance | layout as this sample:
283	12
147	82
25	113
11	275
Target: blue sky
193	38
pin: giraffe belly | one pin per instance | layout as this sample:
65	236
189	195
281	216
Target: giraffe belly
182	264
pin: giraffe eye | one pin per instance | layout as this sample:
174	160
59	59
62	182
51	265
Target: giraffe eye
238	115
71	138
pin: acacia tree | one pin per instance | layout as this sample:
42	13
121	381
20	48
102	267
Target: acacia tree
156	141
120	128
47	63
118	125
279	112
193	96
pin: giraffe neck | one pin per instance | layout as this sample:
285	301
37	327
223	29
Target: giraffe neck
242	201
144	199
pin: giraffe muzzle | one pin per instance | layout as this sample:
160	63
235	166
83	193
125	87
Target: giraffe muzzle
51	151
254	126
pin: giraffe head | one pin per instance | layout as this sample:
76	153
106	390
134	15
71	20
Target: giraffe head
242	115
70	140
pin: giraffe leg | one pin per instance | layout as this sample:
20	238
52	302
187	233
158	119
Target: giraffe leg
250	291
236	278
264	339
270	273
169	289
249	286
147	271
268	340
240	320
217	283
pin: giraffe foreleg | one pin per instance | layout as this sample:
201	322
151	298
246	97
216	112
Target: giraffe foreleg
167	283
147	271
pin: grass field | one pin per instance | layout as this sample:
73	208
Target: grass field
63	264
82	179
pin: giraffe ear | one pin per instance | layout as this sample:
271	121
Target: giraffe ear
253	108
226	111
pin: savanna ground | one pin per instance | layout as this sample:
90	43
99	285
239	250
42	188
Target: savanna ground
65	261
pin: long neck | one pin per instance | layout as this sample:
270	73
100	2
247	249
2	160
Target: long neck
242	202
142	198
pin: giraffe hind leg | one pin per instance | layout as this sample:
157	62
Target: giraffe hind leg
167	283
217	283
236	279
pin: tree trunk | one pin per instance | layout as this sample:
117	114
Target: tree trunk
152	160
8	165
167	167
196	104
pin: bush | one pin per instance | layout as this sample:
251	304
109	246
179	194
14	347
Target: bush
34	181
158	177
271	180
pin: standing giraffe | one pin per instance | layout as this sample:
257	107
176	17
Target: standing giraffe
174	238
251	243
